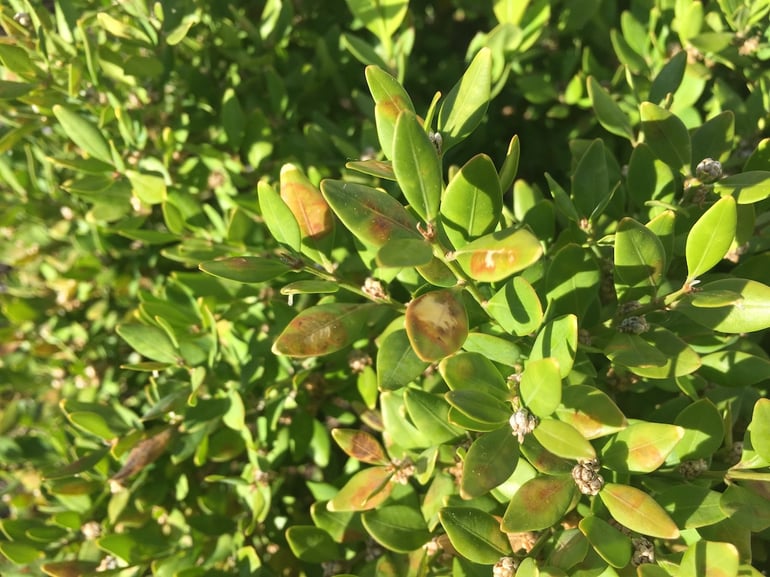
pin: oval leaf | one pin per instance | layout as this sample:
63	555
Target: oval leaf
516	307
642	447
365	490
639	261
749	313
436	324
590	411
499	255
563	440
638	511
608	113
311	544
710	238
397	528
491	460
83	133
360	445
246	269
666	135
608	542
539	504
474	534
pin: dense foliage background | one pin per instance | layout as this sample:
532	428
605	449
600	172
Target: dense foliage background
187	195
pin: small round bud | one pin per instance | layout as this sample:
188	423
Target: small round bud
708	170
505	567
693	469
587	478
522	423
635	325
23	18
644	552
436	140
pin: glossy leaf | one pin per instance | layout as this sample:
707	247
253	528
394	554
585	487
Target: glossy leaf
381	17
472	203
608	113
760	428
310	287
246	269
437	324
510	165
558	339
563	440
491	460
397	527
310	209
638	511
149	341
710	559
372	215
516	307
572	281
669	78
366	489
474	534
479	406
404	252
417	166
542	459
704	430
749	313
372	167
311	544
666	135
640	261
649	178
746	187
680	358
323	329
710	237
397	363
83	133
633	351
473	371
360	445
611	545
498	255
692	506
641	447
590	411
590	185
496	349
466	104
429	413
539	504
540	386
748	507
278	217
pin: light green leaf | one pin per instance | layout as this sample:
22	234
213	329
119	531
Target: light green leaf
83	133
608	113
710	237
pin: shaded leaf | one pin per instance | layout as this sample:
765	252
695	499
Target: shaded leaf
590	411
474	534
608	113
397	528
491	460
246	269
83	133
397	363
749	313
611	545
666	135
516	307
311	544
360	445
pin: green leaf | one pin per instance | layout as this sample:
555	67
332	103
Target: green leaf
233	119
12	90
397	363
516	307
429	412
558	339
500	254
150	342
311	544
93	423
638	511
760	428
417	166
590	180
640	261
472	203
539	504
397	528
323	329
649	178
497	349
563	440
706	558
666	135
278	217
404	252
401	431
490	461
542	459
479	406
366	489
474	534
372	167
714	138
691	506
466	104
710	237
390	100
84	463
704	430
631	59
437	324
642	447
372	215
572	281
680	358
510	164
749	508
540	386
735	368
611	545
83	133
747	187
669	78
69	568
590	411
633	351
310	287
749	313
360	445
245	269
473	371
381	17
608	113
20	553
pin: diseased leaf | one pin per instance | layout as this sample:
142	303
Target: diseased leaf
437	324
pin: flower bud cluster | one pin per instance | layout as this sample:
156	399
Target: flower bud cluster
522	423
587	477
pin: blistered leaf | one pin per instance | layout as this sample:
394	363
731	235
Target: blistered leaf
417	166
666	135
641	447
539	504
499	255
472	203
83	133
638	511
608	113
371	215
246	269
311	544
397	528
323	329
710	237
491	459
474	534
360	445
437	324
465	105
540	386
